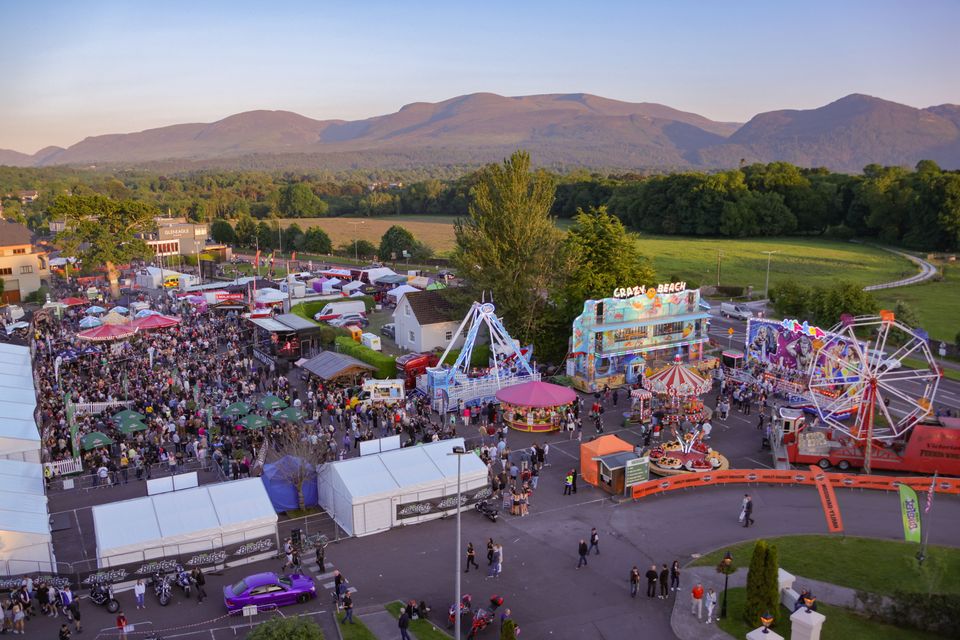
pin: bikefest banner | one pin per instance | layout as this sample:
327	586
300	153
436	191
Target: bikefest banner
910	510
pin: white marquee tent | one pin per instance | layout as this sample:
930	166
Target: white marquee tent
376	492
187	521
25	543
19	437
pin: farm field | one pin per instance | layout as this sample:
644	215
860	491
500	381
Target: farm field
936	303
434	231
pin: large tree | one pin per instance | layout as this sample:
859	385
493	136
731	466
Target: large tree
103	232
316	240
298	201
398	239
222	231
508	245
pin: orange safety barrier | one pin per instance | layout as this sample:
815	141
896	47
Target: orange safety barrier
828	499
946	485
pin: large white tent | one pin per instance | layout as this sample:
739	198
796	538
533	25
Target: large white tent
25	543
188	521
376	492
19	437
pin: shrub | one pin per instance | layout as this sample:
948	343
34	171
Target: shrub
386	366
935	613
763	588
839	232
38	297
731	291
286	629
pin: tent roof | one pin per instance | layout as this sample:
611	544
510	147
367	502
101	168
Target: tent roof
676	380
239	501
604	445
390	279
36	523
536	394
350	286
295	322
395	470
330	365
376	273
402	290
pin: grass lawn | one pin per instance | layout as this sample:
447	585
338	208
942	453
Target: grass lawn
936	303
841	624
434	231
422	629
877	566
810	261
355	631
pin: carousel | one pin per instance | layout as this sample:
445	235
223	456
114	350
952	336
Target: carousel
535	406
677	390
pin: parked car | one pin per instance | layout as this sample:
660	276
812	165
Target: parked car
738	311
269	589
389	330
350	318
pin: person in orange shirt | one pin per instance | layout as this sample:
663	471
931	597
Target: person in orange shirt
697	594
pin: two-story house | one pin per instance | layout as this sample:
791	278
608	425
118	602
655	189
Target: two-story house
23	267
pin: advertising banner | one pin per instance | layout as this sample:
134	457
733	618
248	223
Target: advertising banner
828	499
910	510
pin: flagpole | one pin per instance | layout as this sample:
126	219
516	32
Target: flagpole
922	554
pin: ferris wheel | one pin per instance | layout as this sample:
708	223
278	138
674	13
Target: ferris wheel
859	384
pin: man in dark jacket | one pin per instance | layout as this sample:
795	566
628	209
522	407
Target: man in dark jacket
664	582
651	576
404	624
748	511
200	580
582	550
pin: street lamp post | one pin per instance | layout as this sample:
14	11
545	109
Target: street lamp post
766	287
459	452
726	568
355	224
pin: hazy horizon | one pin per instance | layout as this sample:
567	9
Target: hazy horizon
80	71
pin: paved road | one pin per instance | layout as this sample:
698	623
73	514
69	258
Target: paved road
927	271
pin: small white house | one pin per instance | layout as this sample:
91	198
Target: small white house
425	320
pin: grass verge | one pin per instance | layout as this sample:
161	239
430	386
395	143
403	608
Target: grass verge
422	629
841	624
355	631
876	566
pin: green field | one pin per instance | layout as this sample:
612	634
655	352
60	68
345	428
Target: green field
937	303
742	263
434	231
876	566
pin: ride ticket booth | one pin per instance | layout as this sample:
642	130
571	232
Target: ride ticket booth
617	472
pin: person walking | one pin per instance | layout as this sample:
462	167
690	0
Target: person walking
711	604
582	550
75	614
200	580
347	609
121	625
675	576
651	576
404	624
595	541
747	511
568	484
664	582
573	472
338	581
634	581
321	560
489	551
696	595
138	590
471	558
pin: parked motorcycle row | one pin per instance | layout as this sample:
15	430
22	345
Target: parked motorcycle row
163	584
480	618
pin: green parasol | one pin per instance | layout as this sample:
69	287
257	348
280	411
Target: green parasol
290	414
253	421
127	414
237	409
131	426
271	402
94	440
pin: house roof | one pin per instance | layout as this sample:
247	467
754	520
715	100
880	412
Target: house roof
330	365
431	307
14	234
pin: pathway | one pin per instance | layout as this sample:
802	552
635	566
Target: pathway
927	271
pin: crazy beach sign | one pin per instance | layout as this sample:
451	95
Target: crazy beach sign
630	292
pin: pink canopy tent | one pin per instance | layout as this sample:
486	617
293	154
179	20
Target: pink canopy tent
156	321
74	302
676	380
536	394
107	332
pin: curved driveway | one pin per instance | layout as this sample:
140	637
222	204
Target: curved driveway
927	271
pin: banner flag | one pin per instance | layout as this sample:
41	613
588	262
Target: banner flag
909	508
930	491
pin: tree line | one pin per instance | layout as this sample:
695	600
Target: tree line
918	209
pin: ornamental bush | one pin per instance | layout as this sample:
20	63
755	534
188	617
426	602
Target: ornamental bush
763	585
386	366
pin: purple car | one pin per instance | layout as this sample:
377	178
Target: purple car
269	589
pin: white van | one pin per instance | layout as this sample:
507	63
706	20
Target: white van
337	309
738	311
388	391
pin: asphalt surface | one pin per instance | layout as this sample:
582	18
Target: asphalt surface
548	596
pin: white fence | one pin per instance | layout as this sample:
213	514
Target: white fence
84	408
65	467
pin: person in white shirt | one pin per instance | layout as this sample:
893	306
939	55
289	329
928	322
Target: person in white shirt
138	590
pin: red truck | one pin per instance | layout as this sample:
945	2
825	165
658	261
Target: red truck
926	448
411	365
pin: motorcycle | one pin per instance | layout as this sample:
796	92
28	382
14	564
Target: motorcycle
162	589
184	581
481	620
486	509
465	607
102	595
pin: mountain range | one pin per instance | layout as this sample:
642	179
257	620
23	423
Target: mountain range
558	129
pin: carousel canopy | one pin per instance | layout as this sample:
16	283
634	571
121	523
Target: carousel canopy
156	321
676	380
107	332
536	394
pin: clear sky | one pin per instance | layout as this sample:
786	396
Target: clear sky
75	69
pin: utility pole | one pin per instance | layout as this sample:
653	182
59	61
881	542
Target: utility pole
719	255
766	287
